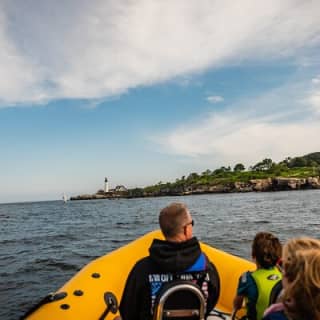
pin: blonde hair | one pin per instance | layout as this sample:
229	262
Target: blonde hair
301	262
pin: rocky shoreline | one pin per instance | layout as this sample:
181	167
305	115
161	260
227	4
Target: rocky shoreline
254	185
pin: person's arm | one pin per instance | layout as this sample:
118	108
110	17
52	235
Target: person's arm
242	291
237	304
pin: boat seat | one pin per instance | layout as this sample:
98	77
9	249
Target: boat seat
180	300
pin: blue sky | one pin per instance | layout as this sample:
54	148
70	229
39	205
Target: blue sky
148	91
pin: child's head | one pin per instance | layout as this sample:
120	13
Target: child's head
302	290
266	249
290	251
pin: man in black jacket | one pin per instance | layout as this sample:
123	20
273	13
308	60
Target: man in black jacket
178	257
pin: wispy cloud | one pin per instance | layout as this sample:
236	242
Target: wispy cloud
316	80
314	100
19	77
290	127
78	49
215	99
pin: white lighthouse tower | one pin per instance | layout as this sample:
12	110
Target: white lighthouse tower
106	185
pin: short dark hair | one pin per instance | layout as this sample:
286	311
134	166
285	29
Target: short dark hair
266	249
172	218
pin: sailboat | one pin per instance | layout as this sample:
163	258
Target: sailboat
64	198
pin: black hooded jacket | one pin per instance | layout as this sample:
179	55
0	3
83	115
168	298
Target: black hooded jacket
167	261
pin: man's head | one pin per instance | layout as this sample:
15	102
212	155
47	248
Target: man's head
176	222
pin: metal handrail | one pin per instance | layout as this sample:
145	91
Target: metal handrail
160	311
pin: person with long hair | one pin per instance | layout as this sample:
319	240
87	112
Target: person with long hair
301	282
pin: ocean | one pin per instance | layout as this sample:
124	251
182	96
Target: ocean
43	244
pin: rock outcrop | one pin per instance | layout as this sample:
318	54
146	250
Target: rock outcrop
261	184
257	185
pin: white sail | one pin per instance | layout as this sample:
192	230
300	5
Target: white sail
64	198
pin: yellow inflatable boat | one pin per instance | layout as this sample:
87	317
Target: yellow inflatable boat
92	292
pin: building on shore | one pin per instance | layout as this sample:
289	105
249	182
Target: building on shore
106	185
120	188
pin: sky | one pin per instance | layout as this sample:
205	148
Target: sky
143	91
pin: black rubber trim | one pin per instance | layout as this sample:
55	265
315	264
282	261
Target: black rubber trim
47	299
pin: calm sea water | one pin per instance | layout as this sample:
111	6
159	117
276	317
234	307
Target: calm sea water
42	244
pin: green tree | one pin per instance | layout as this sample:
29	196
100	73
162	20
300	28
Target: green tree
298	162
285	162
265	164
279	169
193	176
222	170
206	173
312	163
239	167
136	192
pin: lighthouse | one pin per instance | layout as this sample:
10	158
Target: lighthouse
106	185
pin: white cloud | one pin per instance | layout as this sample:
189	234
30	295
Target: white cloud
19	77
215	99
228	139
316	80
81	49
290	127
314	100
314	97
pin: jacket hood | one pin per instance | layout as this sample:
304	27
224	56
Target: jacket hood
175	256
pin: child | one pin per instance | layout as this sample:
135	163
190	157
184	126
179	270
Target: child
301	282
256	288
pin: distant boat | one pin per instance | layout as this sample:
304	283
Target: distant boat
64	198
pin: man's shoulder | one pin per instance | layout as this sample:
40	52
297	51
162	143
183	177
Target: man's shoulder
143	262
210	265
140	269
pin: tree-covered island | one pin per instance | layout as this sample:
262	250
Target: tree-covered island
296	173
